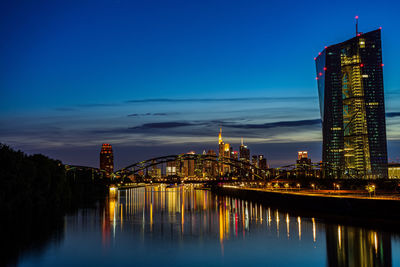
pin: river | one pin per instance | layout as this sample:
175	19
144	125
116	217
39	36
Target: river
184	226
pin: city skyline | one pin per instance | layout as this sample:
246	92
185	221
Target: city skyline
83	83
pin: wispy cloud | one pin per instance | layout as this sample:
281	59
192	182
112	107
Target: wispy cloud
238	99
392	114
147	114
162	125
277	124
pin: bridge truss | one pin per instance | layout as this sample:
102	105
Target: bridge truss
243	167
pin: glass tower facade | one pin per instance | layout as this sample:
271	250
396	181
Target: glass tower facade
350	87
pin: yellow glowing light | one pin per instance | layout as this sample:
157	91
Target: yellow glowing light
287	224
299	224
314	230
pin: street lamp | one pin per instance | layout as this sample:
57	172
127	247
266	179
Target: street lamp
286	186
313	186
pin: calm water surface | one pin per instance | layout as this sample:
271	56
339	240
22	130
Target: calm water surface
154	226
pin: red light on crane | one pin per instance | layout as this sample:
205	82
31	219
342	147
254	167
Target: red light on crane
361	65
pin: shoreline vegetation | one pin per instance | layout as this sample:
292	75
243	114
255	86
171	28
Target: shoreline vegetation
36	193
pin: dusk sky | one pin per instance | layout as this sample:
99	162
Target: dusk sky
154	78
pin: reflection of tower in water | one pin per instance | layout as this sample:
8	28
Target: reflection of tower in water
350	246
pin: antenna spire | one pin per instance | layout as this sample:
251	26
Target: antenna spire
220	136
242	141
356	25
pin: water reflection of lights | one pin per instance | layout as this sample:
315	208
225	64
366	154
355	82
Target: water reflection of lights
182	212
269	217
354	246
299	224
188	208
287	224
277	222
314	231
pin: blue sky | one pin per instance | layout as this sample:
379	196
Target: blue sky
154	77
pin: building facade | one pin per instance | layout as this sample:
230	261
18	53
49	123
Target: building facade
394	170
224	151
244	153
350	87
107	158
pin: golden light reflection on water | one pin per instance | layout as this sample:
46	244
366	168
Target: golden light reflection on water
353	246
299	225
314	230
184	211
287	225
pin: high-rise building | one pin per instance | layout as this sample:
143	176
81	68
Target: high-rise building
107	158
302	158
254	161
262	162
211	166
171	168
350	87
221	146
303	164
224	152
244	153
189	166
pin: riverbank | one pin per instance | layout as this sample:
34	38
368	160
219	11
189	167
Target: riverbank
36	193
379	212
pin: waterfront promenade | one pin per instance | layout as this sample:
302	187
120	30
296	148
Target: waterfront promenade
352	194
350	206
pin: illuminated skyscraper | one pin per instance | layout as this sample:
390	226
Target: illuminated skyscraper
350	86
106	158
254	161
224	152
221	146
262	162
302	158
244	153
211	166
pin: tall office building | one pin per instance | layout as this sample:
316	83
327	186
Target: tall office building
211	167
107	158
244	153
350	87
262	162
254	160
302	158
221	145
224	151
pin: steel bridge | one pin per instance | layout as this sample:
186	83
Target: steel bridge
243	166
